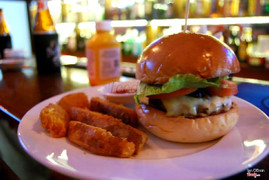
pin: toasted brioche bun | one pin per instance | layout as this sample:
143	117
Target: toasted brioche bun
180	129
182	53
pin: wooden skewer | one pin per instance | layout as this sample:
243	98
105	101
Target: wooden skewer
186	14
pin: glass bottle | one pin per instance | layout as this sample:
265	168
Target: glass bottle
252	7
203	8
234	39
5	39
104	55
80	40
45	41
246	40
265	7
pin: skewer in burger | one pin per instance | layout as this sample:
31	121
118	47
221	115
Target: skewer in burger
185	94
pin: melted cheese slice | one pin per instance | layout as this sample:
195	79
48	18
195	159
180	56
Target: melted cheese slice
191	106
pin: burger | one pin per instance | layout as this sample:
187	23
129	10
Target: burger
185	92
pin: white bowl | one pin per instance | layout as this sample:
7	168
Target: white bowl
120	92
126	98
11	64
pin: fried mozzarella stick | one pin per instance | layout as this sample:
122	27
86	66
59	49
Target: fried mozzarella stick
98	140
74	100
118	111
111	124
55	120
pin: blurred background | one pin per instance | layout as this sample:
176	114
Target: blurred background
243	25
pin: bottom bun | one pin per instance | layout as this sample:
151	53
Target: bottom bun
181	129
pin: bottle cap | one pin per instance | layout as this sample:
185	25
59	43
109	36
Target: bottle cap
104	25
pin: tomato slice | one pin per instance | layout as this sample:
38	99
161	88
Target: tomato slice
180	92
227	88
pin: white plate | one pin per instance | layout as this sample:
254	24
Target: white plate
243	147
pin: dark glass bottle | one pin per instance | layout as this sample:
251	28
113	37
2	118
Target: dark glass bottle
5	39
265	7
45	41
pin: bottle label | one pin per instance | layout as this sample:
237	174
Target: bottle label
91	63
109	62
47	53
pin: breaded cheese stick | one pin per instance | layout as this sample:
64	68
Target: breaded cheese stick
74	100
127	115
111	124
55	120
98	140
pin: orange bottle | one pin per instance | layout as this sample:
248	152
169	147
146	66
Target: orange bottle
43	22
104	55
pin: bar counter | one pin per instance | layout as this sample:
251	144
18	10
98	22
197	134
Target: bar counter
21	90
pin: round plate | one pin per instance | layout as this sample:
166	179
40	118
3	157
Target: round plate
244	146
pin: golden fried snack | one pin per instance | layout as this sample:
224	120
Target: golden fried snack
74	100
118	111
98	140
111	124
55	120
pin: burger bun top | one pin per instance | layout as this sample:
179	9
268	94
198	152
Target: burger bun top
201	55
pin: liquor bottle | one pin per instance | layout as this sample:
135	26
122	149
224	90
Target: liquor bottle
80	40
252	7
228	8
203	8
246	40
265	7
234	39
45	41
148	9
104	55
234	11
5	39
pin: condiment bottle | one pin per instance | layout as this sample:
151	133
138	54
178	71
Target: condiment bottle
104	55
45	41
5	39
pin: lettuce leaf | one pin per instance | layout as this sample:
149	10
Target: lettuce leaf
175	83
